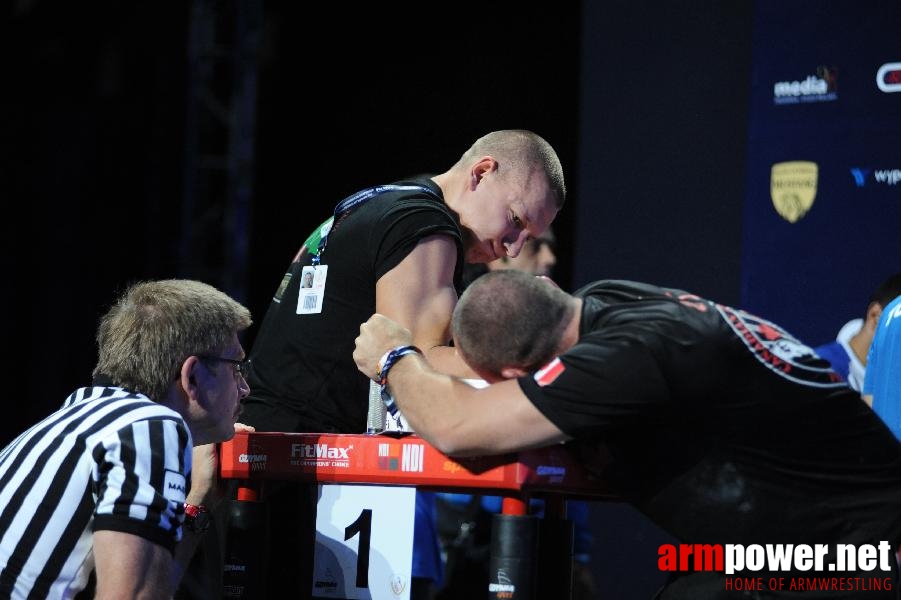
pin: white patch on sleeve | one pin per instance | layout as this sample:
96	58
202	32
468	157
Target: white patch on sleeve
174	487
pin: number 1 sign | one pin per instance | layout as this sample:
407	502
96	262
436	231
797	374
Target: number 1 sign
364	542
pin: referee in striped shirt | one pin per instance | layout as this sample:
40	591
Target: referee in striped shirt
103	486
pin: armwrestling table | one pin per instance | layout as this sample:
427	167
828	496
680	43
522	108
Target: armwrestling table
533	564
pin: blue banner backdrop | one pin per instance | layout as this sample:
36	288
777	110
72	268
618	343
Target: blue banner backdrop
822	215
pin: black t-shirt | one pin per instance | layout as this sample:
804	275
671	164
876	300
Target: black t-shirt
722	427
303	377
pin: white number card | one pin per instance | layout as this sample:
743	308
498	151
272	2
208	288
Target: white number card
364	542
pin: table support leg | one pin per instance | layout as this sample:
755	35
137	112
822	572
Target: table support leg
514	547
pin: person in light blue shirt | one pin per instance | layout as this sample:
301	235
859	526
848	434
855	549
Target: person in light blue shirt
847	354
882	384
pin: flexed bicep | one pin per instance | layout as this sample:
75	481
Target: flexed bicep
419	292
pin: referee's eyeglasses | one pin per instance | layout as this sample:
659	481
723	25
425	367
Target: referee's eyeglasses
242	367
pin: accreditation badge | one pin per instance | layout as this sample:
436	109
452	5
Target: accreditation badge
311	290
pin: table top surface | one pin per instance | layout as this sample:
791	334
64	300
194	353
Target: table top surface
404	459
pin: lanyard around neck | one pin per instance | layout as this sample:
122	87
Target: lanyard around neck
319	239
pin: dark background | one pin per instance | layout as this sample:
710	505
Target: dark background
96	169
645	104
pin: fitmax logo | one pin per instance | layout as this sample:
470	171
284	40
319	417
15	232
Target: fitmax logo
319	451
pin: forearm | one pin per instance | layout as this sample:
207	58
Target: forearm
429	401
205	492
453	416
460	420
184	552
190	539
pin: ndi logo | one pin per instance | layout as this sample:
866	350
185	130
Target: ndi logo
413	457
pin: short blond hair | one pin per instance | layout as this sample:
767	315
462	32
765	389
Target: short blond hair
525	152
155	325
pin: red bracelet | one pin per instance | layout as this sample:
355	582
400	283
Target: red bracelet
197	519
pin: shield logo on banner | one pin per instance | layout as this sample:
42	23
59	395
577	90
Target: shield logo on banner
793	186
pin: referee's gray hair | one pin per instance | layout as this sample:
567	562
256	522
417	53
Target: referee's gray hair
155	325
509	318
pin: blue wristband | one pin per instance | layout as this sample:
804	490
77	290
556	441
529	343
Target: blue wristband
391	357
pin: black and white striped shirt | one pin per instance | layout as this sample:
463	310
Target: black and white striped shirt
108	460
